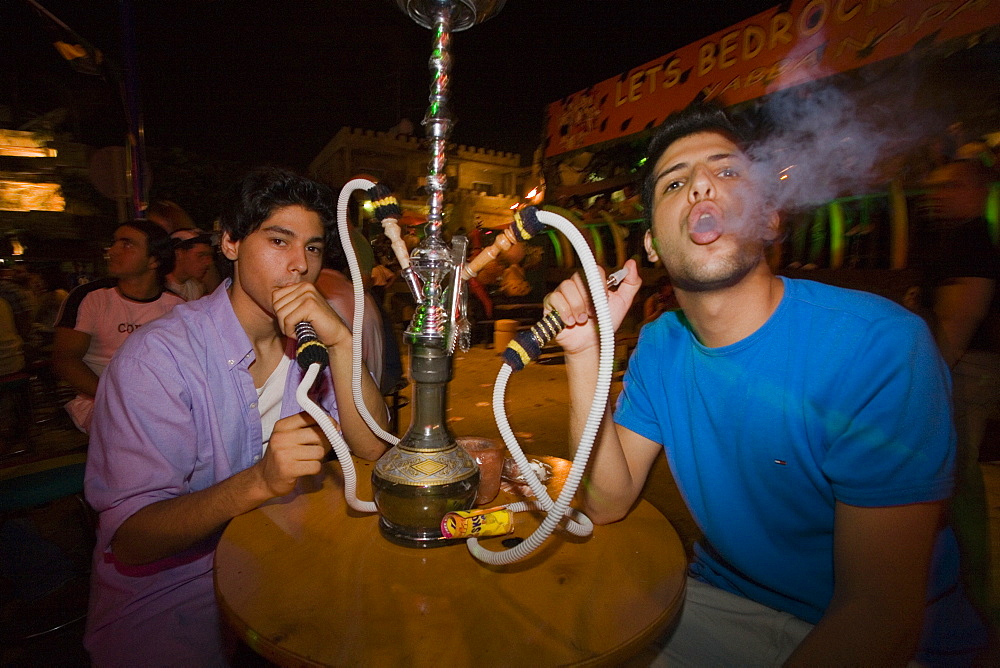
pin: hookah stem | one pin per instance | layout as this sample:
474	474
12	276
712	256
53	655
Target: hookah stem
438	119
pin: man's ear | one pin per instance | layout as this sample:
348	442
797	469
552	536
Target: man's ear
650	244
228	246
772	230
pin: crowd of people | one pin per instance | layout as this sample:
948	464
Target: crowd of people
811	429
626	205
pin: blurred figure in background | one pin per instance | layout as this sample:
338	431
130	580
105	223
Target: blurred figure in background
169	215
384	274
18	297
659	302
96	318
961	266
338	290
14	408
630	206
193	257
48	284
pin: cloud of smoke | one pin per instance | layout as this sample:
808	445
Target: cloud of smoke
824	140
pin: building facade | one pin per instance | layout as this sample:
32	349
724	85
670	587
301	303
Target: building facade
483	184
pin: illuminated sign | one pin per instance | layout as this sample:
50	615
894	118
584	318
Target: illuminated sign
26	196
770	51
17	144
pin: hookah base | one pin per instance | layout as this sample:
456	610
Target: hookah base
414	538
410	515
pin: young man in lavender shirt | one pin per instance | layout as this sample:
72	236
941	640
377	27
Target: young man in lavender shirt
196	422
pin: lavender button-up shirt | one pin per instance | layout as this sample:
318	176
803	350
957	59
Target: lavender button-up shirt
176	412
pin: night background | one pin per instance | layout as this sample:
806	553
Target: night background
225	85
272	81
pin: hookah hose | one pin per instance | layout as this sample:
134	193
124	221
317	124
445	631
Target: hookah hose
359	305
309	357
527	346
312	360
556	511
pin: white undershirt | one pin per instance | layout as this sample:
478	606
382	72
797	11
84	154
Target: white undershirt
269	399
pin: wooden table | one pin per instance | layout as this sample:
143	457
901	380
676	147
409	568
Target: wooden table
311	582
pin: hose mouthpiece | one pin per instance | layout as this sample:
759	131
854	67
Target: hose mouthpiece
310	349
384	203
527	345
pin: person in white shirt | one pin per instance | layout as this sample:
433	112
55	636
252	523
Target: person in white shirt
97	317
193	257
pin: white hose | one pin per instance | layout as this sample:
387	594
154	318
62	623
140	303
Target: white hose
302	393
359	305
557	511
326	423
578	527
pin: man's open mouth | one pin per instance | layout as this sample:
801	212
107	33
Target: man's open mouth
704	228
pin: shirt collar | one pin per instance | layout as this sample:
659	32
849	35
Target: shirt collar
236	344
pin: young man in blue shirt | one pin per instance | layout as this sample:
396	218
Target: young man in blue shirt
807	426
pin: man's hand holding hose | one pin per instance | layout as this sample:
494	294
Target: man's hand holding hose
302	302
571	300
604	494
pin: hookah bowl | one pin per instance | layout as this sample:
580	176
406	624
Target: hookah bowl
427	474
465	13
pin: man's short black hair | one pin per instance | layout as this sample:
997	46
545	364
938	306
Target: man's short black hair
260	193
693	119
159	245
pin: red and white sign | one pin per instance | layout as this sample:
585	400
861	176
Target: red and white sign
770	51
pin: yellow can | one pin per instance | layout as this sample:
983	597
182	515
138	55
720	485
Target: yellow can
479	523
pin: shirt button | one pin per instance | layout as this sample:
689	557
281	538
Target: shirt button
256	458
231	362
253	405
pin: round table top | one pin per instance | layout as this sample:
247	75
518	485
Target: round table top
308	581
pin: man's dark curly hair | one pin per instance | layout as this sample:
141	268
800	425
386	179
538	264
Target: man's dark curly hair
696	117
260	193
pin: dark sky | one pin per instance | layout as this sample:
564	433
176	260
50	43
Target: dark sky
273	80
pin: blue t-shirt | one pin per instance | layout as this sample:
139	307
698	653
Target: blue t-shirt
840	396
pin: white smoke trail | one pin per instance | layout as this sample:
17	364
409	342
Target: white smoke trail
826	140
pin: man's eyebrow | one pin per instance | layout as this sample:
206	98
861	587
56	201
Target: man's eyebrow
278	229
679	166
285	232
715	157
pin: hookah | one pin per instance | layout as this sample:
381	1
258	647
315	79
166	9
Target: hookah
426	474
